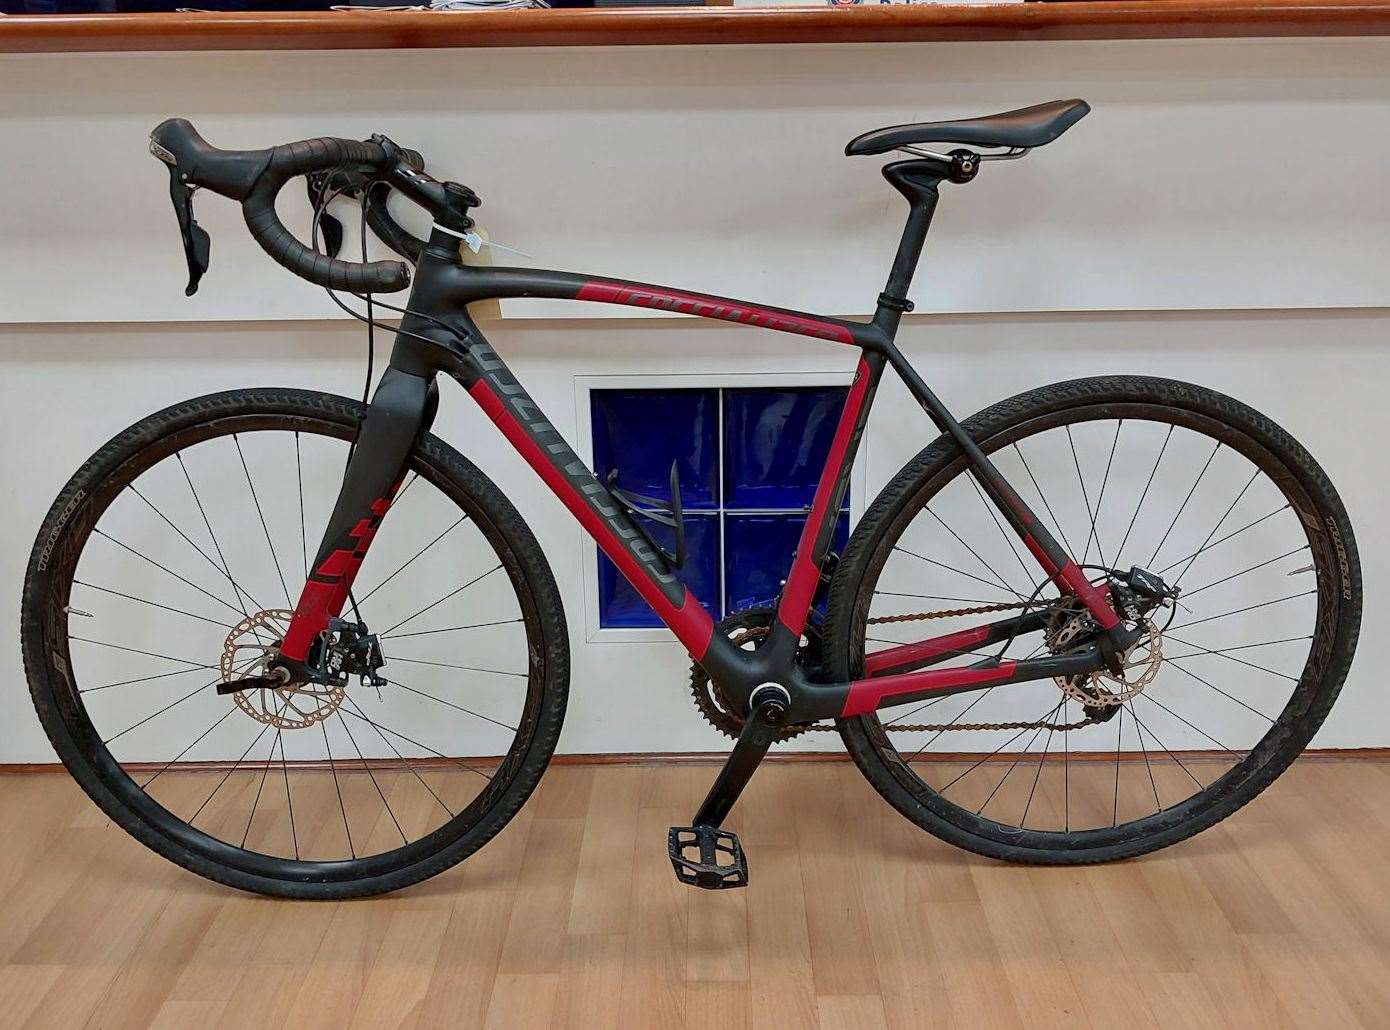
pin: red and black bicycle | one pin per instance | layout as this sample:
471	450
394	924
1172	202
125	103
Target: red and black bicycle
1086	623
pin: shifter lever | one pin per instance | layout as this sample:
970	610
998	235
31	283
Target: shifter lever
197	244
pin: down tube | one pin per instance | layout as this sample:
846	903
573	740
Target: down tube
526	428
819	531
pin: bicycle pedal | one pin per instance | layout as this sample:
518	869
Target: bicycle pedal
706	857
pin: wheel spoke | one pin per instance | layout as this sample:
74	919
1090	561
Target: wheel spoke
983	694
1198	729
1009	537
225	568
1167	750
1119	738
226	776
990	568
1183	507
333	768
145	679
303	533
1219	523
1093	535
1238	611
1139	732
961	572
218	722
454	629
289	603
146	558
417	554
372	776
1223	693
358	714
451	704
1047	744
1147	486
1046	715
265	771
152	604
1048	507
1014	765
289	799
464	668
136	650
1242	572
380	727
452	593
1224	653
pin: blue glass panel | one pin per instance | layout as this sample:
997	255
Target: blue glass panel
620	605
775	444
758	555
640	432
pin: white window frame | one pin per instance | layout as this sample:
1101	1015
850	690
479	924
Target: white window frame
584	385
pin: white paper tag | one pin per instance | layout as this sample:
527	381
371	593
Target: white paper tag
474	242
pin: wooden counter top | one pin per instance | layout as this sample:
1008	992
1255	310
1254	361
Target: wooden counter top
696	26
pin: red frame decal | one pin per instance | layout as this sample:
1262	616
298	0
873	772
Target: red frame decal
867	695
712	307
326	591
924	650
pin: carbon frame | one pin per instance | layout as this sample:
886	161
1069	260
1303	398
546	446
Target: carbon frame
438	335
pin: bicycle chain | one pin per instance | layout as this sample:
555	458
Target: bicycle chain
701	685
1041	724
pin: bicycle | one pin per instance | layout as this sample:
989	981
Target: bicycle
148	554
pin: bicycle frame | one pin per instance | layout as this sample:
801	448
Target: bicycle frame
438	336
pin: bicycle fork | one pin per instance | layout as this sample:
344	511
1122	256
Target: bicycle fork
402	407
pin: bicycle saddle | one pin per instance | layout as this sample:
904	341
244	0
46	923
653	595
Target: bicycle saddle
1026	127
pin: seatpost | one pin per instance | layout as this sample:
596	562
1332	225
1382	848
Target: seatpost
917	181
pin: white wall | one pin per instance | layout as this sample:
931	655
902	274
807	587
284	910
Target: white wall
1221	217
64	390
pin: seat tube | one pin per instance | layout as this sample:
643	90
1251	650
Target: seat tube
799	592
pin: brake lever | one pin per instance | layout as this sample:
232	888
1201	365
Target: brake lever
317	186
197	244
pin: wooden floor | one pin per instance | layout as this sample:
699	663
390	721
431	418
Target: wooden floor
1278	917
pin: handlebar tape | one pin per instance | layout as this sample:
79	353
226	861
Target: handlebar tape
304	158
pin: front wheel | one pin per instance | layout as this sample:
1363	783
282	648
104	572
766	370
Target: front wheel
1226	688
171	562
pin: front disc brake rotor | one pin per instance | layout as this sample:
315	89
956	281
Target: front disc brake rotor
248	651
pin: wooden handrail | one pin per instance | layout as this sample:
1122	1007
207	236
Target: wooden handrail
702	26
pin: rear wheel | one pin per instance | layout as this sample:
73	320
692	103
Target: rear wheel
170	564
1228	686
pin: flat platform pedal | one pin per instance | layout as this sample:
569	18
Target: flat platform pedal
703	856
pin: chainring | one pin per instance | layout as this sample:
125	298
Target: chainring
744	628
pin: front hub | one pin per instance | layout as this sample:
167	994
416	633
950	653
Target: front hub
288	695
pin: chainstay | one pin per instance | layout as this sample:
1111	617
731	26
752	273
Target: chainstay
929	727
